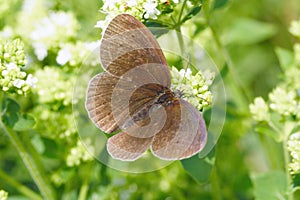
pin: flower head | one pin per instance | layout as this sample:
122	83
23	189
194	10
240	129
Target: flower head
80	153
295	28
259	110
51	31
283	101
3	195
12	60
195	87
294	148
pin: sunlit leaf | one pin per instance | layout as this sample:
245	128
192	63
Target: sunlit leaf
25	122
270	185
285	57
245	31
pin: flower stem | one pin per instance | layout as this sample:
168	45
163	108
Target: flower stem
18	186
235	77
29	162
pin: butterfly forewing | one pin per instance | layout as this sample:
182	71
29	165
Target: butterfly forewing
127	43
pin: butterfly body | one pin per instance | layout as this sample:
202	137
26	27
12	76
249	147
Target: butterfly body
134	96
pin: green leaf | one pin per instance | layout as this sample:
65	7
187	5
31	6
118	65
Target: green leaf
199	169
219	3
11	111
270	185
194	11
25	122
247	31
285	57
10	106
157	29
265	129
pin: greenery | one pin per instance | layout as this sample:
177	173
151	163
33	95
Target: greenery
45	44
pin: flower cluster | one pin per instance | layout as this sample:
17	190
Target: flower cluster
75	54
55	125
52	31
3	195
80	153
284	101
12	59
260	110
141	9
59	89
295	28
294	148
194	87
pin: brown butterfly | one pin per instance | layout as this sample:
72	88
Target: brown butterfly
133	95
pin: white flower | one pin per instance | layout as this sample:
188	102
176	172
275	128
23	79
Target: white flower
131	3
64	56
31	81
185	73
91	46
40	50
18	83
151	10
11	66
259	110
109	4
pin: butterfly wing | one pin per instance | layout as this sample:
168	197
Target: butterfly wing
136	71
183	135
126	147
108	115
126	44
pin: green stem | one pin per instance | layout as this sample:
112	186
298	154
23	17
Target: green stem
83	190
181	12
225	53
216	192
287	172
29	162
18	186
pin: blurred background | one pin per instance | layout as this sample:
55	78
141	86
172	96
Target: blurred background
252	45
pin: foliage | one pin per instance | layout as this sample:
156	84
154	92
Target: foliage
43	44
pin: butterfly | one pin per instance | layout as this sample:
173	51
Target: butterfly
133	99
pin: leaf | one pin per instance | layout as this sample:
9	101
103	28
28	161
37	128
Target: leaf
247	31
285	57
10	106
11	111
198	168
270	185
24	123
264	129
219	3
194	11
157	29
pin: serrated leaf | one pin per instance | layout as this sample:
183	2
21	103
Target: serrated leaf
194	11
24	123
199	169
285	57
270	185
